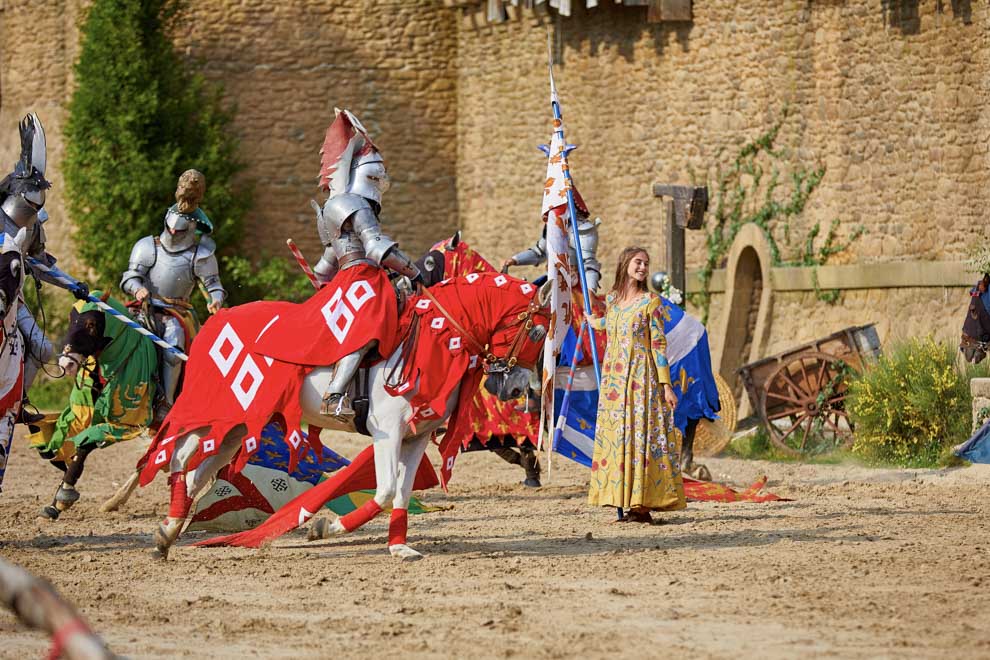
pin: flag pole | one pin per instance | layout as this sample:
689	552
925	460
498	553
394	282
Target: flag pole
558	124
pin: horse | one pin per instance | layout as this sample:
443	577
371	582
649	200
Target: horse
449	337
508	429
12	346
112	399
976	327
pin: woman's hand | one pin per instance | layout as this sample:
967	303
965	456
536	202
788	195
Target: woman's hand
669	396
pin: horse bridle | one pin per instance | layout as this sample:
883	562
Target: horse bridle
494	364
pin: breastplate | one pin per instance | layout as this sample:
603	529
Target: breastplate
172	275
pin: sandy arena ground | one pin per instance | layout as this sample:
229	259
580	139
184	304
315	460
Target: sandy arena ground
864	563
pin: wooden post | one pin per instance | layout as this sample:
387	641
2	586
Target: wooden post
684	208
675	247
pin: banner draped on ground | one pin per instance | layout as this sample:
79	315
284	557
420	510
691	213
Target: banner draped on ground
243	500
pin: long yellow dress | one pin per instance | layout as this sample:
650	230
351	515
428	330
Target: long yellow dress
636	462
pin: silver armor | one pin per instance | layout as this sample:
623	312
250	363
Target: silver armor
173	274
354	174
349	229
588	232
22	196
170	266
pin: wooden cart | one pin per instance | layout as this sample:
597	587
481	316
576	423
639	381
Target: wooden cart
800	394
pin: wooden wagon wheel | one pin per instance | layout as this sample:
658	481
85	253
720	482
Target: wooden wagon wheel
802	404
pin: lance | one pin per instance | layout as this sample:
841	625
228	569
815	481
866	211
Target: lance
71	283
301	260
558	123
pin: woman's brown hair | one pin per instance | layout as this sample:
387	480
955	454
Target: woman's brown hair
622	270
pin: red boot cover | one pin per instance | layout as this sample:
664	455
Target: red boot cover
360	515
397	527
181	502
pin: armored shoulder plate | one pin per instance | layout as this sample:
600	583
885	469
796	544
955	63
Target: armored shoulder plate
143	257
207	247
144	253
336	212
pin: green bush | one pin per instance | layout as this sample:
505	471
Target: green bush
911	405
138	119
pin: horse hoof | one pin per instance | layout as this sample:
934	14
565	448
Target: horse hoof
404	552
532	482
318	530
49	513
162	543
66	496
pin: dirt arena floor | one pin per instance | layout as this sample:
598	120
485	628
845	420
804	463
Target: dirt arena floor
863	563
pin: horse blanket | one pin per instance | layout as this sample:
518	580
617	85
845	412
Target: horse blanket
247	364
112	398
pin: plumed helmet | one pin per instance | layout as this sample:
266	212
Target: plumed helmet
350	161
23	190
190	190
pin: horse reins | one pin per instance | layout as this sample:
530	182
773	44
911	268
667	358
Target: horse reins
524	320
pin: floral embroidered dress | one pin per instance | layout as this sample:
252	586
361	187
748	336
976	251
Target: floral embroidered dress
636	462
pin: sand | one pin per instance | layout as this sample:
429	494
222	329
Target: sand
863	563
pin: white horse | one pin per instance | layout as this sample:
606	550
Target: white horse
12	345
493	316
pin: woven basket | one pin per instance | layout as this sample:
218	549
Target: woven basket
712	437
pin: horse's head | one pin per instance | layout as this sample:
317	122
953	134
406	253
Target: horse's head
11	273
520	348
84	338
976	327
451	258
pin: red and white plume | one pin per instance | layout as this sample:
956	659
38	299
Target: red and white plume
346	140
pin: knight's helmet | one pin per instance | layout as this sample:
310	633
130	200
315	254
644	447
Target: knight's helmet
22	192
350	161
184	220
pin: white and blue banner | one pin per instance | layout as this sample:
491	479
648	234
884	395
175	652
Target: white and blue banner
690	368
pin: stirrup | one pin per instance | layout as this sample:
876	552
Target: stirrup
337	405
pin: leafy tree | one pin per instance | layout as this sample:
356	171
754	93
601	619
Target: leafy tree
137	120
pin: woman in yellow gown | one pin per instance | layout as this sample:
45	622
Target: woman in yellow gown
636	462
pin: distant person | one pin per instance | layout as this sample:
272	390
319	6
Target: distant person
636	464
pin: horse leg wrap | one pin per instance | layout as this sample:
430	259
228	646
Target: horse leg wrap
180	503
361	515
398	526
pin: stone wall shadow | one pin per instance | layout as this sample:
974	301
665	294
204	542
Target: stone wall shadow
903	15
617	27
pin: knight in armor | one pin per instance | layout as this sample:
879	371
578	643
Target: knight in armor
588	231
164	270
22	196
354	174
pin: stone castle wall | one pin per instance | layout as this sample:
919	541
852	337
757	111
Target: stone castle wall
890	100
285	66
889	95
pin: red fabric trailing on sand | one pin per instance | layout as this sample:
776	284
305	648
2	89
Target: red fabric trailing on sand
359	475
709	491
247	364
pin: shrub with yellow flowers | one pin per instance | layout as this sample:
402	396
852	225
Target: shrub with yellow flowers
911	405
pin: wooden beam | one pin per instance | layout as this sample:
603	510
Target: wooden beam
888	275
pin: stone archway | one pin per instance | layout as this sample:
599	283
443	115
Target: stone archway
743	326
